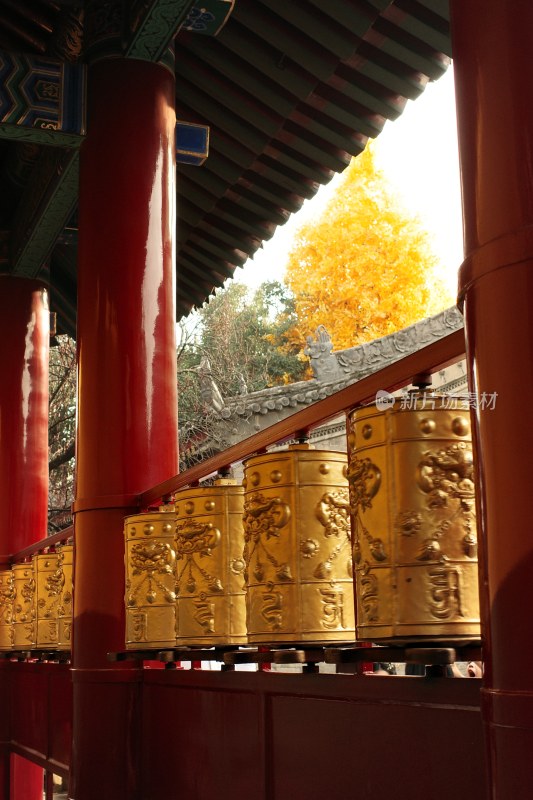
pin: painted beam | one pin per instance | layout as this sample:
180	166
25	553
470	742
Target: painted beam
155	24
55	114
44	210
154	27
42	100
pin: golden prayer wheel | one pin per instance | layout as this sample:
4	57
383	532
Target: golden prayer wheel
49	583
413	521
7	596
210	565
297	552
24	628
150	579
65	554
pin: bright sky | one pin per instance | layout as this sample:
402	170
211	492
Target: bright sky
418	153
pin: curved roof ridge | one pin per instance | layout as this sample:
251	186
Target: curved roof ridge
345	366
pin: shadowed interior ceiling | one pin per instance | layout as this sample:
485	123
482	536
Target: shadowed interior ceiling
291	91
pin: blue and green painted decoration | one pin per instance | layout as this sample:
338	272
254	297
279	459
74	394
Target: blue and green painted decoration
42	100
208	16
192	143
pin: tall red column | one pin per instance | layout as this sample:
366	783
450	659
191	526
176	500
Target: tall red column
492	60
24	344
127	402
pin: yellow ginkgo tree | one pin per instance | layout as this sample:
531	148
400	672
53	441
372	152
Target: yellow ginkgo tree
365	268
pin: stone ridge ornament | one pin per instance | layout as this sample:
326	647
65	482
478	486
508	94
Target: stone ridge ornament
413	522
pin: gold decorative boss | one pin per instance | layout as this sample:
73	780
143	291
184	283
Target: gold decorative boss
297	547
413	521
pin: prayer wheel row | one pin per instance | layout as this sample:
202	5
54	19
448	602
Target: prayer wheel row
276	559
268	561
36	602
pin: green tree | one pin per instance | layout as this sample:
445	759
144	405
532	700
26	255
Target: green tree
235	344
365	268
61	432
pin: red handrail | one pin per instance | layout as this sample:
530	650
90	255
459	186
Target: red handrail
56	538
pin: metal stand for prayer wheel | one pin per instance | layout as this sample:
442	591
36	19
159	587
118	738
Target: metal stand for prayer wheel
7	596
24	628
150	579
297	553
413	521
210	565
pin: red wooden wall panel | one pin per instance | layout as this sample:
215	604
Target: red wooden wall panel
277	736
60	716
40	703
287	736
29	707
201	743
333	746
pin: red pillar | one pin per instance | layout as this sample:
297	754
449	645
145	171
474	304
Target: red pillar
24	343
492	60
127	406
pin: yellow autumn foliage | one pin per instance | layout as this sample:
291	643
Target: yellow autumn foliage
365	268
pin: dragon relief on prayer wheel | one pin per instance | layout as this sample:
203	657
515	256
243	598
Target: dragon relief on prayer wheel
65	555
413	521
210	565
297	547
150	580
49	580
24	628
7	596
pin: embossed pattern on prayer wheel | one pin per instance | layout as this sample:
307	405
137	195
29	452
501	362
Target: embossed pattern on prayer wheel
297	552
65	554
48	583
413	521
24	628
210	565
150	581
7	596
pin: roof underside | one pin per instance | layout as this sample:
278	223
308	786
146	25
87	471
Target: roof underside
291	91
